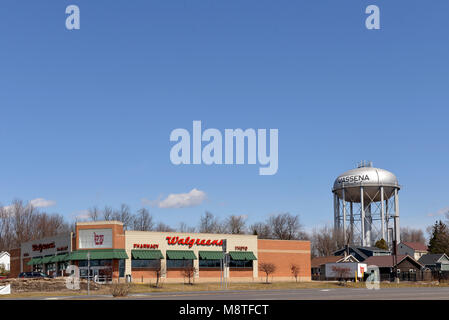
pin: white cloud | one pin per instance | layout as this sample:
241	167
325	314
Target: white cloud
42	203
37	203
440	212
8	210
80	215
179	200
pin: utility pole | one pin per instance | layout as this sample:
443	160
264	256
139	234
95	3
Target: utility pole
395	251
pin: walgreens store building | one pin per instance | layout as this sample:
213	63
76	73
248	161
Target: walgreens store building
141	255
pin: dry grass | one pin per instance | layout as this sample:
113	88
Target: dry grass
119	289
173	287
122	290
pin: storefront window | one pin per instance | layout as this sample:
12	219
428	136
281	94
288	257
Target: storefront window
95	263
241	264
150	263
62	266
50	267
172	264
121	268
37	268
209	263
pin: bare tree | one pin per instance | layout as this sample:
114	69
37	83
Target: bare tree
143	221
123	215
325	241
162	227
268	268
236	224
285	226
6	236
48	225
157	273
221	227
208	223
22	222
261	230
412	235
93	213
189	272
183	227
294	269
107	213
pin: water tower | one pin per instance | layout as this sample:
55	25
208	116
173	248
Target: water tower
366	205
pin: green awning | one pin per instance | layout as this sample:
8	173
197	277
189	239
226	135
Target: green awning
58	258
67	257
34	261
211	255
242	255
98	254
181	255
146	254
46	259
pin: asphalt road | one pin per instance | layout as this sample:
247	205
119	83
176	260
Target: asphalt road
297	294
308	294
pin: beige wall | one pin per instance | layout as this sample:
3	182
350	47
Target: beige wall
159	238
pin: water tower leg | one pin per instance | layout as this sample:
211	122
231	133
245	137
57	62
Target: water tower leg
382	213
344	218
368	225
397	230
362	216
351	219
387	222
335	213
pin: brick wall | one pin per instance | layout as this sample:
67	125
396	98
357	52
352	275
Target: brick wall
14	262
283	254
210	273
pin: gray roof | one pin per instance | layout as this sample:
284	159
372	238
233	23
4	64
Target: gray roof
430	259
374	249
361	251
354	249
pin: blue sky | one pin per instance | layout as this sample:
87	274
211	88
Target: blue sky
87	114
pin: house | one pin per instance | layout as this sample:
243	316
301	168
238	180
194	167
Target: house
362	253
413	249
407	266
435	262
5	260
318	264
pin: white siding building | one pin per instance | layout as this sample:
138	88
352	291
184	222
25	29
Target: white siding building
5	260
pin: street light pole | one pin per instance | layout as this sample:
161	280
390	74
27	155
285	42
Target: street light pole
88	272
223	263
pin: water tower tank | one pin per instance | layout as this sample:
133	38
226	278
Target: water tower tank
366	205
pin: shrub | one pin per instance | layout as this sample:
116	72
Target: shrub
189	273
294	268
268	268
119	289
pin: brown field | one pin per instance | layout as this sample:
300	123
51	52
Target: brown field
27	288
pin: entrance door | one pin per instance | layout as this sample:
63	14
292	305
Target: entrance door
97	274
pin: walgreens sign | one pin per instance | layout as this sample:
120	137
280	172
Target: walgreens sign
193	241
43	246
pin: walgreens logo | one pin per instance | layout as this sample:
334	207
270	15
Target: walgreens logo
99	239
45	246
193	241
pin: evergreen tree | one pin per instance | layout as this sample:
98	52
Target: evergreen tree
381	244
439	241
